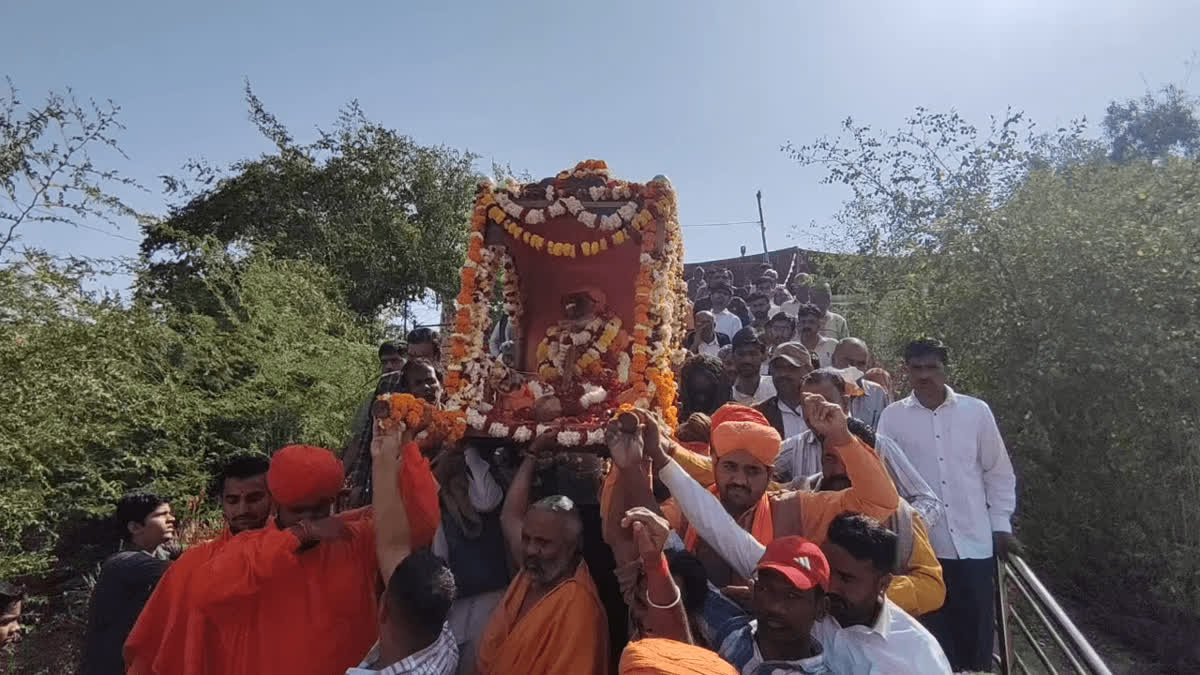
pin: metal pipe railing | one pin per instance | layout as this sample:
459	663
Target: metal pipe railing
1077	651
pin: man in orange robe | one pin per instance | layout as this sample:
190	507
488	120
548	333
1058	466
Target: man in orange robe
301	597
159	638
551	619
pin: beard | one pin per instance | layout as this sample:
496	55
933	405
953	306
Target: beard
547	571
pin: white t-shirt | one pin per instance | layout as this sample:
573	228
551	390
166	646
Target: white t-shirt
824	350
727	323
766	389
710	348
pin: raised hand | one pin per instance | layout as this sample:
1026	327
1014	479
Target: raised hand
826	419
650	531
625	436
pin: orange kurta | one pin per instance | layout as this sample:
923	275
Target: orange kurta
157	643
279	610
566	631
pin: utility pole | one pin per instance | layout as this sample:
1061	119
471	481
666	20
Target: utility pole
762	226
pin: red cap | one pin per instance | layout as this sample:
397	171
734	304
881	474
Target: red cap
798	559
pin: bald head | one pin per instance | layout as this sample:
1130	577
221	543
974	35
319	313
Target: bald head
552	540
852	353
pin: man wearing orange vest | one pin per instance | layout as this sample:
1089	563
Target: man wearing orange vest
744	447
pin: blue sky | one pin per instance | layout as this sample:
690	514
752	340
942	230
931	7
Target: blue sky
704	92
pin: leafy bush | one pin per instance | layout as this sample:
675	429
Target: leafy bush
102	397
1068	288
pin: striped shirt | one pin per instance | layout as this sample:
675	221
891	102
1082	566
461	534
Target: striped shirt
439	658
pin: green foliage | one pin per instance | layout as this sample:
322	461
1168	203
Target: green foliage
102	397
1068	288
1154	126
47	174
387	216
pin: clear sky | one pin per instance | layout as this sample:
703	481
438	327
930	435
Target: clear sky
704	92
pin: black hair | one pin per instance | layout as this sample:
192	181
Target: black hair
422	335
756	295
135	507
710	366
927	347
694	586
720	287
419	593
823	375
861	429
785	317
747	337
865	539
809	309
389	348
764	279
411	365
9	595
241	467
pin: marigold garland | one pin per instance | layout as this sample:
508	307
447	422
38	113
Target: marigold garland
418	415
644	367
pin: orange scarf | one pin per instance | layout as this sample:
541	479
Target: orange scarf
763	526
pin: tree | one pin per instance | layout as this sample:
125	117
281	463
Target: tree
1068	288
101	397
47	174
386	215
1154	126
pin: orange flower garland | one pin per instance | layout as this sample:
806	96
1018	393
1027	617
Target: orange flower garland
645	359
419	415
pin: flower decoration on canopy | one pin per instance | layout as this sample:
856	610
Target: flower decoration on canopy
595	365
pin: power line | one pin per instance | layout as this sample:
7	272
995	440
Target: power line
732	222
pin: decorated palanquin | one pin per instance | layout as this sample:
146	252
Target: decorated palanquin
591	269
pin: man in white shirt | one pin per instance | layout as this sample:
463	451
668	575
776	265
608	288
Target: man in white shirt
833	325
953	441
808	328
727	322
750	387
854	353
705	339
866	632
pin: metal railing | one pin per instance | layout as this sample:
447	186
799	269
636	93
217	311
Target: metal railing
1045	626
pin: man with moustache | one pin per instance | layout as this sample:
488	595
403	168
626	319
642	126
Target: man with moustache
953	441
743	448
157	642
551	619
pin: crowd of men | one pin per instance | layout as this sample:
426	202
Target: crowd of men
800	519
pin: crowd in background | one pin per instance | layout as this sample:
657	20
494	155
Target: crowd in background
804	517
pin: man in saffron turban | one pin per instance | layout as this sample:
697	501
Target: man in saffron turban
301	596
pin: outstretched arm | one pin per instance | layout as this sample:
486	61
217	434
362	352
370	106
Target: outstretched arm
663	615
393	537
871	491
512	516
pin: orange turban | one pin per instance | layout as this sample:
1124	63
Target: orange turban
736	427
304	474
659	656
